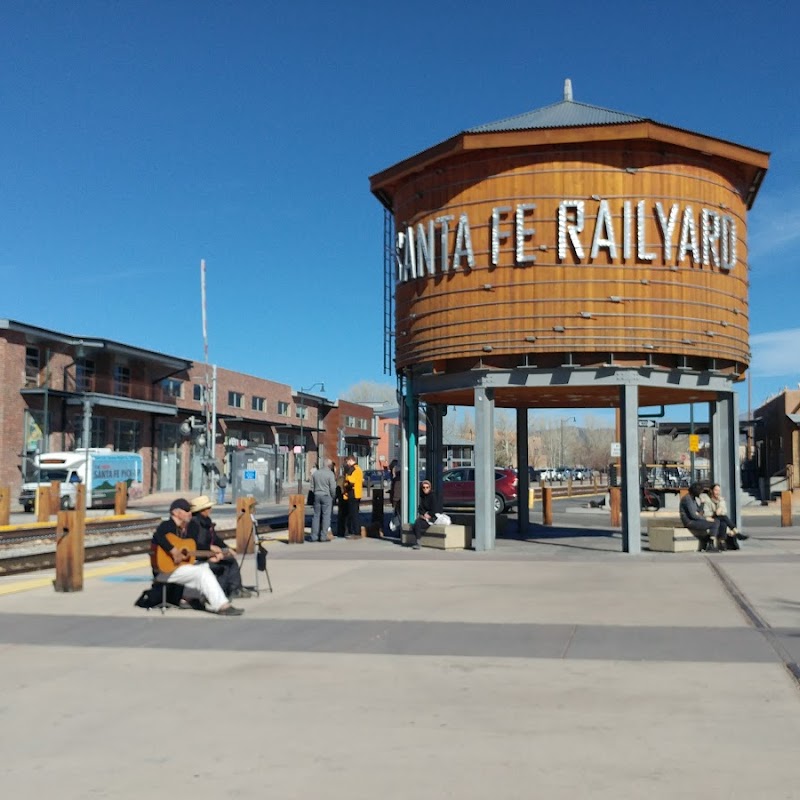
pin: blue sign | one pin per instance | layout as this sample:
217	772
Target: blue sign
249	474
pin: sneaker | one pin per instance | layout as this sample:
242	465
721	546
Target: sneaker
239	593
230	611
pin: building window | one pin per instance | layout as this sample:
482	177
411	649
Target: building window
283	408
258	404
198	392
32	366
122	381
236	399
98	434
127	435
172	387
301	412
85	371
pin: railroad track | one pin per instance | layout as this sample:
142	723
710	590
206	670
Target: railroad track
31	549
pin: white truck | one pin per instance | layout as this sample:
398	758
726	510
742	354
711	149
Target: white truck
98	468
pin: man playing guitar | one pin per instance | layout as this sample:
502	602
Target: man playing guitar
173	561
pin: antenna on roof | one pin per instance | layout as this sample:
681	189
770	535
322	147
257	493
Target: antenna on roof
568	89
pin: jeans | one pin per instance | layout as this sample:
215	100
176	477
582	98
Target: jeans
321	521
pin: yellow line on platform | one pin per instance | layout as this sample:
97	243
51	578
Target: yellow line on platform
98	572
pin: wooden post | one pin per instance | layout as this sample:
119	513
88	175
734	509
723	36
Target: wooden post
5	505
786	509
569	486
297	518
547	505
615	500
43	504
70	531
120	498
55	496
244	525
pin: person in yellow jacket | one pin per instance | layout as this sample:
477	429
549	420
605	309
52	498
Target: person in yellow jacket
353	489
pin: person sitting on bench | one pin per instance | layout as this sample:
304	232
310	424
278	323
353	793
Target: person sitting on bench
692	517
718	509
224	566
426	512
173	549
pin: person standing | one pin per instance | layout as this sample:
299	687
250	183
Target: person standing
352	491
222	483
204	532
197	577
323	484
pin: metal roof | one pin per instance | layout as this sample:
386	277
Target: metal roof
564	114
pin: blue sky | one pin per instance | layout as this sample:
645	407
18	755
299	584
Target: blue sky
140	137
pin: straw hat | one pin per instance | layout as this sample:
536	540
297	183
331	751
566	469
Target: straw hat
201	503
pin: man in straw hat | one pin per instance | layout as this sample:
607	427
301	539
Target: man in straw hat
222	563
197	577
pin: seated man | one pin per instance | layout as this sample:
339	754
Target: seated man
692	517
223	564
173	560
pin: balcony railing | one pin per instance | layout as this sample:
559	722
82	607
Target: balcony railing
135	390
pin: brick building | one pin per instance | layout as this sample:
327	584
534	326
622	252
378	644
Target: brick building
58	390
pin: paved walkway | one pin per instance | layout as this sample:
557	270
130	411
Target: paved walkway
555	667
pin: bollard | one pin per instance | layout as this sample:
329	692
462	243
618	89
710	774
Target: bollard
5	505
297	518
55	496
531	497
70	530
245	507
43	504
547	506
569	486
377	507
615	500
120	498
786	509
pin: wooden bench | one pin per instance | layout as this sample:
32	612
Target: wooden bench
669	536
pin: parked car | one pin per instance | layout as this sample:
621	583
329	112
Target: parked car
458	488
373	479
562	473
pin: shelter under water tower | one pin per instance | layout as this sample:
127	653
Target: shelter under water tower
569	257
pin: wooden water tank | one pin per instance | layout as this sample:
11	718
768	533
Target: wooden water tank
620	244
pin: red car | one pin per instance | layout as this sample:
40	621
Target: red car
458	488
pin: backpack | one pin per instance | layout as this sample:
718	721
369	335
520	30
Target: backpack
151	598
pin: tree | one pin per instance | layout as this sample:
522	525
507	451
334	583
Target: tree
371	392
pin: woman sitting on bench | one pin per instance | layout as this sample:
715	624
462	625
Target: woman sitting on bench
426	512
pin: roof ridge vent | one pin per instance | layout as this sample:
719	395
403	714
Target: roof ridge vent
568	90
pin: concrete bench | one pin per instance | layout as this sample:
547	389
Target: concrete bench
447	537
440	537
669	536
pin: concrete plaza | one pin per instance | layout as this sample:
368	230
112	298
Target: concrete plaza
552	667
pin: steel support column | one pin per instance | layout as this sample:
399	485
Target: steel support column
410	471
724	415
484	469
631	503
523	479
434	425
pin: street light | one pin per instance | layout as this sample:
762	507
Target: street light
568	419
302	464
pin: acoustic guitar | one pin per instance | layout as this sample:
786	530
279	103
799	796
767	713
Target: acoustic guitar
186	547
